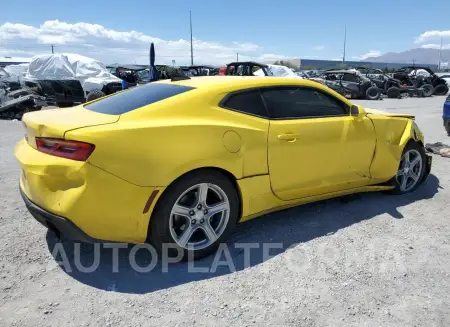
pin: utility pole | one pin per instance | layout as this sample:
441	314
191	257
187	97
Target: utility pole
440	54
192	48
345	44
53	49
237	56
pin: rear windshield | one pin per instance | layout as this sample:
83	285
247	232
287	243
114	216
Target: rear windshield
137	97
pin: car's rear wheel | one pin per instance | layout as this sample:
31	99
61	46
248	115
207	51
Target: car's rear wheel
427	90
373	93
393	92
411	169
195	215
441	89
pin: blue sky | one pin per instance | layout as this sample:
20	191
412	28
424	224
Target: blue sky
259	30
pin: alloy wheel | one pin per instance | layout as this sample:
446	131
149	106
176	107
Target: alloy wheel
199	216
409	172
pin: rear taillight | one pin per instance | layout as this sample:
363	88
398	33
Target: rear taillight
74	150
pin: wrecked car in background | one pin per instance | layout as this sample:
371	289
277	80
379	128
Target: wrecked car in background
418	76
16	74
11	80
132	75
168	72
16	100
68	79
251	68
393	88
200	70
245	68
350	83
278	71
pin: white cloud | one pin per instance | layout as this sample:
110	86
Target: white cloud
109	46
432	35
318	48
371	53
435	46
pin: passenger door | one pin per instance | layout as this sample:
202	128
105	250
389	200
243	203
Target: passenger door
315	146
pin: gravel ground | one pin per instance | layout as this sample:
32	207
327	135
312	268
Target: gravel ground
366	260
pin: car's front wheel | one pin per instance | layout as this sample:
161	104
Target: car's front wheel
411	169
195	215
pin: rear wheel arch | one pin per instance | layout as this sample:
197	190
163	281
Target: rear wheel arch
211	170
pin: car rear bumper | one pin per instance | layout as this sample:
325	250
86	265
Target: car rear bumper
64	193
58	224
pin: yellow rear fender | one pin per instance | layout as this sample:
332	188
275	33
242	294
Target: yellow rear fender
154	153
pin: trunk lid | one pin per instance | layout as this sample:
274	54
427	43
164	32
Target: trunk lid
54	123
387	114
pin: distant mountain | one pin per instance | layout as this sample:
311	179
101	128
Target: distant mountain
417	56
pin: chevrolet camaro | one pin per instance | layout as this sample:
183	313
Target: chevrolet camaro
180	162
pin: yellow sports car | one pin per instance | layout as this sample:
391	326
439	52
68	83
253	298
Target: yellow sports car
183	161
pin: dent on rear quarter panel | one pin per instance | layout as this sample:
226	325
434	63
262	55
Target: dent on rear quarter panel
392	135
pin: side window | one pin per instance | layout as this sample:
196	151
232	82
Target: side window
295	102
249	102
350	78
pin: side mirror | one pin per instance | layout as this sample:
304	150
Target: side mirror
358	112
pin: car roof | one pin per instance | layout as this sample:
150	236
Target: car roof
252	63
130	67
238	82
200	66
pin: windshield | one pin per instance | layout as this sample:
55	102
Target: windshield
143	74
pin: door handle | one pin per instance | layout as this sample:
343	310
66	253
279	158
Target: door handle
288	137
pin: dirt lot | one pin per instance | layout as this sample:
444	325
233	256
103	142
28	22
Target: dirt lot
369	260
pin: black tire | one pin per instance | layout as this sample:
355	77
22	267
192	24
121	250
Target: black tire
421	150
64	104
447	128
427	90
93	95
441	89
373	93
393	92
159	229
